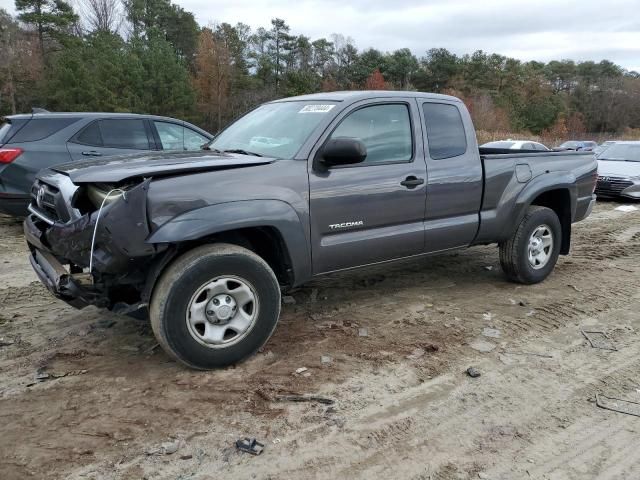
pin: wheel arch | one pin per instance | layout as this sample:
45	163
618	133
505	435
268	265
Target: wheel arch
270	228
557	192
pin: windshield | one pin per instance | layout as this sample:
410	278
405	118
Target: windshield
571	145
274	129
622	153
498	145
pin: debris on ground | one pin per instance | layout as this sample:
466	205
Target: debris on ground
599	339
626	208
5	343
288	300
166	448
488	316
473	372
488	267
618	405
304	398
363	332
482	346
301	370
42	375
325	359
491	332
250	445
575	288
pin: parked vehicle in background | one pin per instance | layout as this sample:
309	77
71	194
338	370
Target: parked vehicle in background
577	146
31	142
336	181
517	145
619	171
603	146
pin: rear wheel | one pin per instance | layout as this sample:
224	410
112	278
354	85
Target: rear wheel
215	305
531	253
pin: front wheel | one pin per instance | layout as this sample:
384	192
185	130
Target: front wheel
214	306
531	253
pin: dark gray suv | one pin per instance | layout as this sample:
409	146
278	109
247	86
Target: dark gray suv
31	142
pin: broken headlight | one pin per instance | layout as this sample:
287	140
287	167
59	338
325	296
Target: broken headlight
100	194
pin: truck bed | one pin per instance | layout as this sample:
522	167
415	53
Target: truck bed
510	175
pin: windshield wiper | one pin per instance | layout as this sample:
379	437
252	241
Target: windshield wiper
242	152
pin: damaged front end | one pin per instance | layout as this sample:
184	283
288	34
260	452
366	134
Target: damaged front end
87	242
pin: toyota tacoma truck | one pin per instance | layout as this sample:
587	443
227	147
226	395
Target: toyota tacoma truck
206	242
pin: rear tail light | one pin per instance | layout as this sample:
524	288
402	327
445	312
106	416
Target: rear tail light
8	155
594	178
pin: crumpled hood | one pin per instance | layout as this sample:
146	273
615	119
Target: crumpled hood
618	168
153	164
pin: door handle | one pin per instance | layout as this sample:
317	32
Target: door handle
412	182
92	153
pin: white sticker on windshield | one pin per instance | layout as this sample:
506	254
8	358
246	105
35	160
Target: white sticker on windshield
316	108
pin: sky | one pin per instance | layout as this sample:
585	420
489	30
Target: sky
540	30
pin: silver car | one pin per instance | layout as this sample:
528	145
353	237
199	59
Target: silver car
619	171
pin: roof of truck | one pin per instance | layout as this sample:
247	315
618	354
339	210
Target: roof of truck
354	95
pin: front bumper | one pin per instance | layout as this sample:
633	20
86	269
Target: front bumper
76	290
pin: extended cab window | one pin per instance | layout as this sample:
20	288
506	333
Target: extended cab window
384	129
445	130
125	133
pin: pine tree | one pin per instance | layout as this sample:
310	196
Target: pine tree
51	18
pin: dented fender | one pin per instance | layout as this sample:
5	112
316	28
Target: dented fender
222	217
122	228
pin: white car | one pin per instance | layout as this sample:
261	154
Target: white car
516	145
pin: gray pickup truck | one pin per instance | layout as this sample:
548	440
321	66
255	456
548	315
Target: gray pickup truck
297	188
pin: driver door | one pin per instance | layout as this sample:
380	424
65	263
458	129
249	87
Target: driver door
372	211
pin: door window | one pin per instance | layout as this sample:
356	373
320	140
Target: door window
176	137
445	130
124	133
384	129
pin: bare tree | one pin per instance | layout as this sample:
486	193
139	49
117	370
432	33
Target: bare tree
102	15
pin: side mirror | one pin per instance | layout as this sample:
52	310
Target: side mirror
341	151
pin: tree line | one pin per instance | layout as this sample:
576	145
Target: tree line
151	56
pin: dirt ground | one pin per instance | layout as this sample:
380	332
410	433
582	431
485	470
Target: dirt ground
113	406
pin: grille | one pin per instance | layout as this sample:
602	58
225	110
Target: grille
44	197
611	185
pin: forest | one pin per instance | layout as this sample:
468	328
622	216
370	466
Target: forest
151	56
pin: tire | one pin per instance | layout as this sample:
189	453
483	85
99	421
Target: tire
176	312
514	253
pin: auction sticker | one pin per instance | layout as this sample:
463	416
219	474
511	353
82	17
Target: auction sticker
316	108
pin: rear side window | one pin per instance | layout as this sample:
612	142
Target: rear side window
90	135
124	133
41	128
445	130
